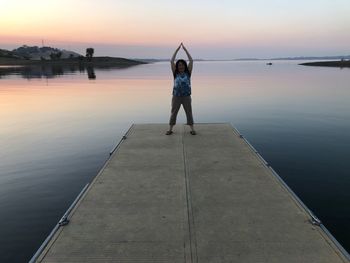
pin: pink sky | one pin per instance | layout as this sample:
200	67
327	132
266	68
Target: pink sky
152	29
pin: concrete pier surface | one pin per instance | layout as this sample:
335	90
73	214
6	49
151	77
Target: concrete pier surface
188	198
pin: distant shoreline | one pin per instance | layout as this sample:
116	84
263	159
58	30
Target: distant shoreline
96	61
340	64
124	62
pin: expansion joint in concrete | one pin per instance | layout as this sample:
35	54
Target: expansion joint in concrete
190	218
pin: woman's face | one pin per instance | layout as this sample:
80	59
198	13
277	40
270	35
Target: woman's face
181	67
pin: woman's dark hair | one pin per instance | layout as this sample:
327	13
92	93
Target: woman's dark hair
177	67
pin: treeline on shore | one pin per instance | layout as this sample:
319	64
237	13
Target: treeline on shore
338	63
96	61
26	55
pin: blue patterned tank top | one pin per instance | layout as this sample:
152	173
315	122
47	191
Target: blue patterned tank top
182	85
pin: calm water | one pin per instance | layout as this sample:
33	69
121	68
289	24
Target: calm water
57	127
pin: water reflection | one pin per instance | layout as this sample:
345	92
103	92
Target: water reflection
91	72
53	71
54	140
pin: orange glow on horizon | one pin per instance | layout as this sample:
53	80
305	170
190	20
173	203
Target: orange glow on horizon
153	23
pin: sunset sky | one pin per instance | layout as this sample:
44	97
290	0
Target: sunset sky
220	29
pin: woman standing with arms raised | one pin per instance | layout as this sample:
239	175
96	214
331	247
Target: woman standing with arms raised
181	89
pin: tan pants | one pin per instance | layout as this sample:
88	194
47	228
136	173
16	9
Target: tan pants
175	106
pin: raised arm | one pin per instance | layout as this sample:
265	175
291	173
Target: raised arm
172	61
190	64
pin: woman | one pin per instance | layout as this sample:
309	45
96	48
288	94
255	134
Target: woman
181	90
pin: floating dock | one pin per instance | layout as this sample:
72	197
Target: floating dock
208	197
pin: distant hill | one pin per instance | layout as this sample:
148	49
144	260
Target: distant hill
8	54
328	63
254	59
297	58
34	55
314	58
38	53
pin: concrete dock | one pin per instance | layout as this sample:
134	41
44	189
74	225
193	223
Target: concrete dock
186	198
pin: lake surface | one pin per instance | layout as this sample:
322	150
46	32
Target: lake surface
58	126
